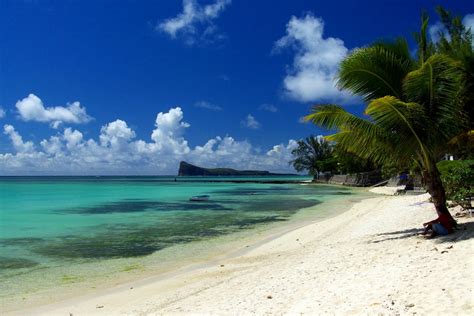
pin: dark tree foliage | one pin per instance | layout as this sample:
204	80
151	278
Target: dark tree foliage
415	107
311	154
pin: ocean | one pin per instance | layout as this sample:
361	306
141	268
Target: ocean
65	234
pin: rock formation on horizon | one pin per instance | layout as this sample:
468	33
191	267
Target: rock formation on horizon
187	169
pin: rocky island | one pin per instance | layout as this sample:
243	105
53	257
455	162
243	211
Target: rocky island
187	169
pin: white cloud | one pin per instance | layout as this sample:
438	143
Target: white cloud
268	107
208	106
436	30
117	151
72	138
283	152
196	22
116	134
250	122
31	108
168	134
2	112
17	140
316	61
53	146
468	22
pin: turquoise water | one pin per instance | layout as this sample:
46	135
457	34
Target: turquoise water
52	224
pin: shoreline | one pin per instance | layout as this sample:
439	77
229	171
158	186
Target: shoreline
365	260
99	277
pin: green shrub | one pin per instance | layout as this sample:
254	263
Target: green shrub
458	179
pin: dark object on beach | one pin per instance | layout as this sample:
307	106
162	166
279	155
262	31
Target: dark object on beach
443	225
187	169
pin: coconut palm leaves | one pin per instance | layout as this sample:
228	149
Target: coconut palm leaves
416	120
413	109
376	71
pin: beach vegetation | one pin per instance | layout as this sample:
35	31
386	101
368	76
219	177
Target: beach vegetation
414	105
313	154
317	155
458	179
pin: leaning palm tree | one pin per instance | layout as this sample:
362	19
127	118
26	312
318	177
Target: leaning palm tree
413	109
309	154
456	41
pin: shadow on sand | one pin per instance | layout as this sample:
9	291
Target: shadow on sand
463	232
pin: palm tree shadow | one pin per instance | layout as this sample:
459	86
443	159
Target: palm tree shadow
399	234
464	231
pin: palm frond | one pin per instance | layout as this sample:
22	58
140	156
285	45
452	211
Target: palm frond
437	86
406	120
356	135
376	71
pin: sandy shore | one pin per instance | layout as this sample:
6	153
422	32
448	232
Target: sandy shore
368	260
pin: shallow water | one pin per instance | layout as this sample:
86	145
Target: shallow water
65	230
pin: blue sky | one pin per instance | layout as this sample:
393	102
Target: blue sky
241	72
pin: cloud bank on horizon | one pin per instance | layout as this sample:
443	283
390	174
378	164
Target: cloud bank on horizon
116	151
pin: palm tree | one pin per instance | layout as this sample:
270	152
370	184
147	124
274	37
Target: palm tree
456	42
413	107
310	155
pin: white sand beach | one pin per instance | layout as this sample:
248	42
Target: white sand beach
368	260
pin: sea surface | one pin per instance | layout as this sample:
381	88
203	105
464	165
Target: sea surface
75	232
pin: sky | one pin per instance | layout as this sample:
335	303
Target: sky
132	87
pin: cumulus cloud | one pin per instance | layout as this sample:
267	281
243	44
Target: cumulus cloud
268	107
2	113
196	22
72	138
468	22
437	30
31	108
17	140
282	151
168	134
316	61
250	122
117	151
207	105
116	134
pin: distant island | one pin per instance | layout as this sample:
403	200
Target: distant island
187	169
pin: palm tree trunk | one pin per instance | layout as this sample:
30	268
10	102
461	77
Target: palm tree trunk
435	188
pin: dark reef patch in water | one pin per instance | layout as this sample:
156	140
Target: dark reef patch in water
254	191
283	205
24	241
134	206
131	241
16	263
262	220
338	193
200	221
